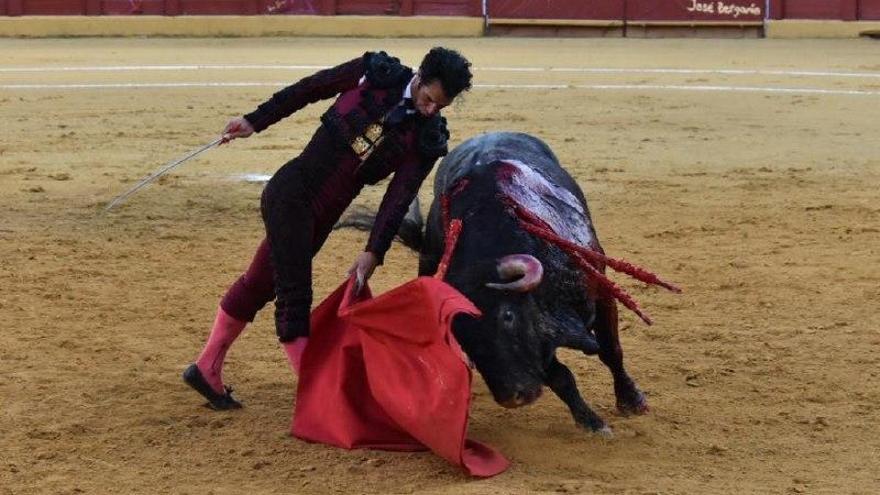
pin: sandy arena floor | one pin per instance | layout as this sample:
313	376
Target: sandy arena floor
763	205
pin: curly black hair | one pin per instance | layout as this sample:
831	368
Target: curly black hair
449	67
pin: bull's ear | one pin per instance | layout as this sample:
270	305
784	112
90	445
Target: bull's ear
466	328
466	319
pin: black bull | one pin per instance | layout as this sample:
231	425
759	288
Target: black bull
532	294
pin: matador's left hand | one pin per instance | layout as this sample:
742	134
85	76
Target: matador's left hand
363	268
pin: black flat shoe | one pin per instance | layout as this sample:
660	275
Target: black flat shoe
218	402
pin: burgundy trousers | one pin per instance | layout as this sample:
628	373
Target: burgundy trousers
300	205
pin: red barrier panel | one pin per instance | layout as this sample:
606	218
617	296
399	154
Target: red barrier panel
47	7
306	7
466	8
407	7
695	10
124	7
147	7
542	9
367	7
634	10
242	7
820	9
846	10
471	8
869	10
219	7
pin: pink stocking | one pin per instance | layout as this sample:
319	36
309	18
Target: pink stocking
226	329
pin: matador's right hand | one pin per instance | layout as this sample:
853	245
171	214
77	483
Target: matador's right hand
238	127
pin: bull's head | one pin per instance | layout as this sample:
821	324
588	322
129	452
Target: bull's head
508	345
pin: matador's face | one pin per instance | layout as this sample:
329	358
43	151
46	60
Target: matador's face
429	98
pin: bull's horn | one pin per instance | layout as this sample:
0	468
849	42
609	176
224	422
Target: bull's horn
525	266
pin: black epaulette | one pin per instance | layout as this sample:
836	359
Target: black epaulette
385	71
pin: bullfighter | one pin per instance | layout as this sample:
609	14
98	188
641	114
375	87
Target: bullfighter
385	120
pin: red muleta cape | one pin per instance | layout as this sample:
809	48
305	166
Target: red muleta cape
386	373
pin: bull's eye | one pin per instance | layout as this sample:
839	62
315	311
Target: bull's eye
507	317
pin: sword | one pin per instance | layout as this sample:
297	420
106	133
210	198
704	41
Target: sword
155	175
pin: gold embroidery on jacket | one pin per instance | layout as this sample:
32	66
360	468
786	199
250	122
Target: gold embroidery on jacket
363	146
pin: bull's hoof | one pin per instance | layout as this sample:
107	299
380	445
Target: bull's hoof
218	402
600	430
593	423
604	432
630	400
635	404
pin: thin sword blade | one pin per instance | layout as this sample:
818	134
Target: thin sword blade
155	175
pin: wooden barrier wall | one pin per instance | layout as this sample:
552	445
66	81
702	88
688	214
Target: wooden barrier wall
468	8
618	10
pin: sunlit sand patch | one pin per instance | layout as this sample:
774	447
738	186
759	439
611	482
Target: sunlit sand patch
251	177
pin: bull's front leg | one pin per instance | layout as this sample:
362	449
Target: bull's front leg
574	332
630	400
582	340
561	382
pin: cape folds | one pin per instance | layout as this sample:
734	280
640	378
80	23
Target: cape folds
387	373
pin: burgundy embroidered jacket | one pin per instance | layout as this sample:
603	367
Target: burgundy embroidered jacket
409	149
